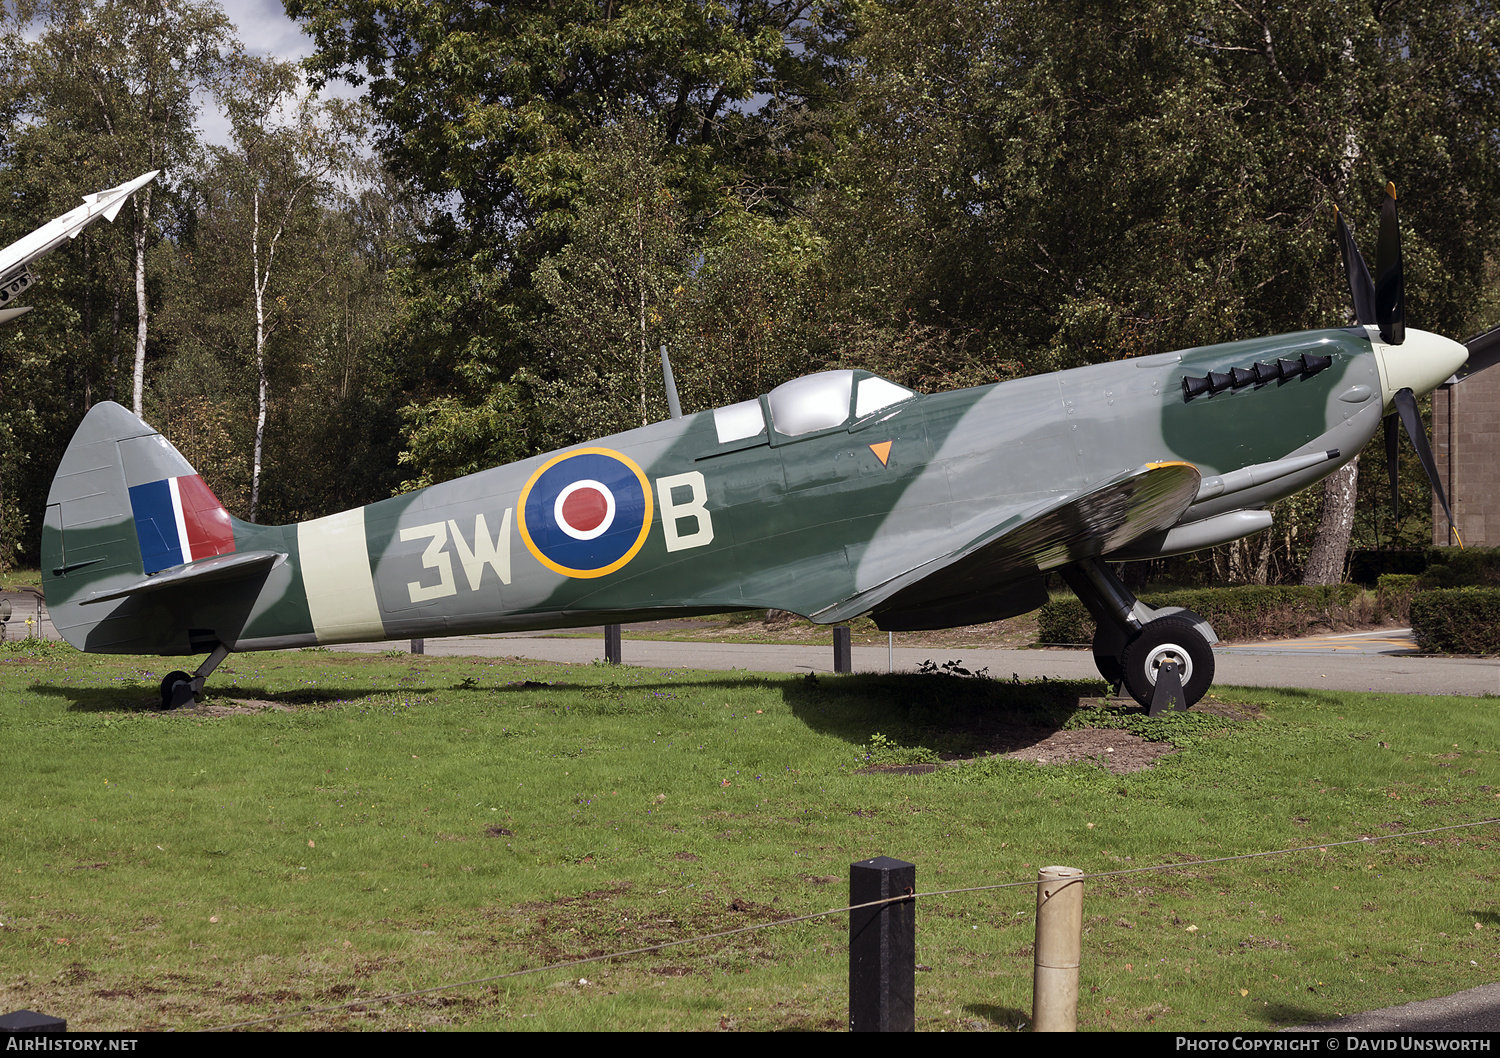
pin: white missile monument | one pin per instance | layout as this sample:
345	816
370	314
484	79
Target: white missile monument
16	279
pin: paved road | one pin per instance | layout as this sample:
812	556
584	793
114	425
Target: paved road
1375	661
1380	661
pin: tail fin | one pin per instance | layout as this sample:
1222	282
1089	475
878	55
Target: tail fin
124	505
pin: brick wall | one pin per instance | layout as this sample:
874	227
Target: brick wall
1466	446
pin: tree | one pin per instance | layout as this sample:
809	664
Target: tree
488	111
278	291
290	152
120	77
615	291
1071	182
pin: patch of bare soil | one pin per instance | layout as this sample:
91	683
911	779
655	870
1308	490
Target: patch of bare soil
1114	750
1118	752
221	707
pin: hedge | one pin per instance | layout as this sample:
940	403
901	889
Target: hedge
1234	613
1457	620
1394	591
1452	567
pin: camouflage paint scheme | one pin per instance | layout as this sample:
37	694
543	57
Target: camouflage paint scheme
927	511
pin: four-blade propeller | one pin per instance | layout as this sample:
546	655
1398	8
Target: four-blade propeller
1381	302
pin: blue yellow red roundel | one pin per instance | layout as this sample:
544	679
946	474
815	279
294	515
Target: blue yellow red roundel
585	513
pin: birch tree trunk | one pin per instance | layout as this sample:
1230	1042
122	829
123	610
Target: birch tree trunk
142	225
640	282
260	349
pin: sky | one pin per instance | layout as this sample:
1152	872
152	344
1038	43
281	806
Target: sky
264	28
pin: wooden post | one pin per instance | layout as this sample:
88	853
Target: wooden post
419	646
1059	941
882	947
612	644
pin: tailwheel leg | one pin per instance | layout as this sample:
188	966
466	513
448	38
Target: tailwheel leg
178	689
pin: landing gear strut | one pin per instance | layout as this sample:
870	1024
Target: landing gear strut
179	689
1134	640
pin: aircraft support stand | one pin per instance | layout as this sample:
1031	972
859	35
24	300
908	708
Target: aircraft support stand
843	649
1133	641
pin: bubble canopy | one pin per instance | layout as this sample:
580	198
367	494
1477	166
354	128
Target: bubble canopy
823	401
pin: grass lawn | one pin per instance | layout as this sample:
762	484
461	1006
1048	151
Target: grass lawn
327	827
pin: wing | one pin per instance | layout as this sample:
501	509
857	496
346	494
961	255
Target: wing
1093	522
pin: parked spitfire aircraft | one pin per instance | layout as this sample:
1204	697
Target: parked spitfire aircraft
15	277
834	495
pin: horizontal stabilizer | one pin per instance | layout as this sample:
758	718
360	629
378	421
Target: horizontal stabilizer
214	570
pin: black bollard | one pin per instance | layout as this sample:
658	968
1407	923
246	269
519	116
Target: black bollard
612	644
24	1021
843	649
882	947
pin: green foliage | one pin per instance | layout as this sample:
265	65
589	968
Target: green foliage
1452	567
1234	613
1457	620
614	293
884	752
1394	593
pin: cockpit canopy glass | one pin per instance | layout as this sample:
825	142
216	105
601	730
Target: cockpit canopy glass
875	393
822	401
813	402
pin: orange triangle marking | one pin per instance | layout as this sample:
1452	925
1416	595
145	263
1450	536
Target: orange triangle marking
882	451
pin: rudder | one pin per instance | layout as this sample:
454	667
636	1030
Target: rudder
124	504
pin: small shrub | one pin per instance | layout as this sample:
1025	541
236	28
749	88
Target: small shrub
1457	620
1393	592
1452	567
1064	621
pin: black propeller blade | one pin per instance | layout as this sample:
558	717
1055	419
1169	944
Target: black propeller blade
1411	418
1390	289
1484	351
1380	301
1361	286
1393	463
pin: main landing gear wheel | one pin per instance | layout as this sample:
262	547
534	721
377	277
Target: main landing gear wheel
1167	639
1108	642
176	689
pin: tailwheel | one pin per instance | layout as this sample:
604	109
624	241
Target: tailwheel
176	690
1173	639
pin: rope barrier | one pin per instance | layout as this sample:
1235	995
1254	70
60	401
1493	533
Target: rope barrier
1029	883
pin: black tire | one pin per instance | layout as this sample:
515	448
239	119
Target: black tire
169	685
1108	643
1168	638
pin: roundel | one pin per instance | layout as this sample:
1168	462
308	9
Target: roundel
585	513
